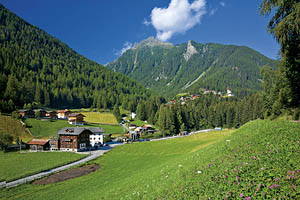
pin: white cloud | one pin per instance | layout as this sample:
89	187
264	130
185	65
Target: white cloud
222	3
126	46
179	17
213	11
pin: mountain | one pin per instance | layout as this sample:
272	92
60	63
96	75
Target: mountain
170	69
36	67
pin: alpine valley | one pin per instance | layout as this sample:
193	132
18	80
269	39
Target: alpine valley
190	67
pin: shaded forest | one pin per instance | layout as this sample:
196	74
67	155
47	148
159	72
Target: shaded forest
38	69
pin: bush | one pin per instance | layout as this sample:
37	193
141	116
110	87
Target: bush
296	114
16	115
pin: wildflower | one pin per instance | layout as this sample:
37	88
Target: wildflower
241	195
294	187
167	176
179	165
291	177
271	186
247	198
277	186
199	171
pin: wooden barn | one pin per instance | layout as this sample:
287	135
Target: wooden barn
63	114
39	145
51	114
74	138
54	143
76	119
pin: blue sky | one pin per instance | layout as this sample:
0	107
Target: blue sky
100	29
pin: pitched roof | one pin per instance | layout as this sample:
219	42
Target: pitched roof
75	114
79	130
63	111
38	141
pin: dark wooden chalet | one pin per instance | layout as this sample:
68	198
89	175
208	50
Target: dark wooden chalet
74	138
39	145
26	113
51	114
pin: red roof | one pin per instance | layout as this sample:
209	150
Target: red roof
38	141
147	126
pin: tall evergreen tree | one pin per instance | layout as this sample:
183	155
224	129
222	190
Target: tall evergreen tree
284	25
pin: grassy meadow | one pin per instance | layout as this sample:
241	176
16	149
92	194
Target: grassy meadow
100	118
16	165
14	127
258	161
46	129
126	171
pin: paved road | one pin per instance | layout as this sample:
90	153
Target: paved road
124	126
93	155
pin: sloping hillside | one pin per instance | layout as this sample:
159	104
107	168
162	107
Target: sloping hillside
258	161
172	69
36	67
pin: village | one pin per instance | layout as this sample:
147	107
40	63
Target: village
79	138
185	97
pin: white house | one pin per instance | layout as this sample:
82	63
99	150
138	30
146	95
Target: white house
133	115
229	93
97	138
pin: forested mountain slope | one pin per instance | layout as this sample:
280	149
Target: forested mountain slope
36	67
170	69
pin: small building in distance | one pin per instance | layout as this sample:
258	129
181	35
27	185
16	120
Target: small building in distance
74	138
39	145
229	93
76	119
132	126
51	114
63	114
42	113
148	128
26	113
54	143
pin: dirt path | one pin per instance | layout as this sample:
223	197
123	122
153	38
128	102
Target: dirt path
67	174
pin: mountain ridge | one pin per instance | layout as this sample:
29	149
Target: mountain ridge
172	70
38	68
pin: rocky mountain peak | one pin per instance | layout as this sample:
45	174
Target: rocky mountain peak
190	51
151	42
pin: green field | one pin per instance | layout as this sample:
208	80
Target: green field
260	160
45	129
14	127
16	165
123	169
100	118
40	128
